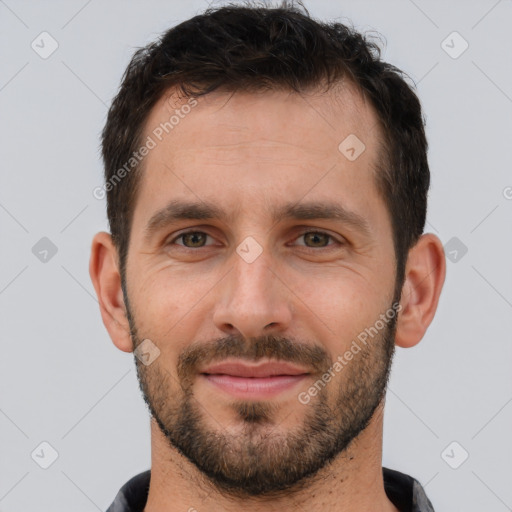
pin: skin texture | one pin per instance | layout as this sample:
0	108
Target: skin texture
302	300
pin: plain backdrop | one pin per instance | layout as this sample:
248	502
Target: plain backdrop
62	382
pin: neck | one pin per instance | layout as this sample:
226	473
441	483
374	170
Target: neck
353	481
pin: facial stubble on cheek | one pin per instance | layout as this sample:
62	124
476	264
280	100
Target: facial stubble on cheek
256	457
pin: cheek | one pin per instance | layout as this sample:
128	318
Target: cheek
341	302
165	301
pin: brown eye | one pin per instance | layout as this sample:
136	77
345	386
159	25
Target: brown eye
193	239
316	239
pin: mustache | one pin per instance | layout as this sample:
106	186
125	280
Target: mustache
272	347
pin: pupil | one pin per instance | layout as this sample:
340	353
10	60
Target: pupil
313	236
193	238
196	239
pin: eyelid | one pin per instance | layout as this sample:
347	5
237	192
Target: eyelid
186	232
319	232
302	232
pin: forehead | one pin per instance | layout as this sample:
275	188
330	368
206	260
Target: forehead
283	116
259	149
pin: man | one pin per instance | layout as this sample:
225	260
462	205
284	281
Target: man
266	180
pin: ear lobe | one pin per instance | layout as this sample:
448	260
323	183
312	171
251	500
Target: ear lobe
106	279
424	278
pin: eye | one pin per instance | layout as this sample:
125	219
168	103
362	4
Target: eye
191	239
316	239
313	239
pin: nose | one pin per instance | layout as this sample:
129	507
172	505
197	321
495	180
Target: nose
253	300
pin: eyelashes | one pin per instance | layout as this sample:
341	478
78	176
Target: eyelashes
315	235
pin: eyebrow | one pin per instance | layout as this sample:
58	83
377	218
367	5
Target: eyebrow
177	210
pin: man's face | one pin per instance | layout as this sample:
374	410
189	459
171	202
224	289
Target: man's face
256	287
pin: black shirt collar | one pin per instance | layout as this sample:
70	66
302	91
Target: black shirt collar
404	492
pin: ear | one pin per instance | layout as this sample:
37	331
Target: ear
424	277
106	279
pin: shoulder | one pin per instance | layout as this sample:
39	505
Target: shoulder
405	492
133	494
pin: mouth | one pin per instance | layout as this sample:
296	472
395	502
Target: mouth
254	381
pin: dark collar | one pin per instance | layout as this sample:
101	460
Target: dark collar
405	493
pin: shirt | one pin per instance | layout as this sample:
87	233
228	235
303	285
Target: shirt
405	492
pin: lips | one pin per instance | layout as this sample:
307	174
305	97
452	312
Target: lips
268	369
255	382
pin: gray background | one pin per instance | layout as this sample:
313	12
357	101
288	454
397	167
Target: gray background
62	381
